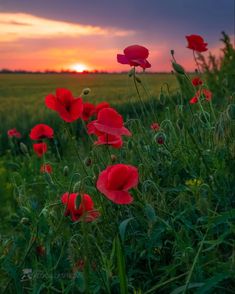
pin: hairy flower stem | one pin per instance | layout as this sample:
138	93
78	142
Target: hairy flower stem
73	140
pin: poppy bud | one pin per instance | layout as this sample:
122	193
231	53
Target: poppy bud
231	111
77	186
160	138
25	221
66	171
23	148
86	91
113	157
88	162
178	68
131	72
172	52
40	250
138	80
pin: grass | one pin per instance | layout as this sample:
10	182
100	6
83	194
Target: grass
178	234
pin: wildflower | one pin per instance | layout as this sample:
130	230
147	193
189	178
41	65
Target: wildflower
109	121
88	110
196	43
204	92
40	148
41	131
13	133
68	107
40	250
107	139
135	55
197	82
116	181
155	126
193	182
85	211
101	105
46	168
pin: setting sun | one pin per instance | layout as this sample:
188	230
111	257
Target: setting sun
79	67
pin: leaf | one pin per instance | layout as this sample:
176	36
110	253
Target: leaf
150	213
210	283
190	286
121	266
123	226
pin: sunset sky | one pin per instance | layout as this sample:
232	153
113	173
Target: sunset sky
75	34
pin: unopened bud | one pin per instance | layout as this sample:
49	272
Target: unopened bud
231	111
88	162
23	148
66	171
178	68
86	91
113	157
138	80
172	52
24	221
77	186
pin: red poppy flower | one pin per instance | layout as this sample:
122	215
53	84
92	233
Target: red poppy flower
197	82
46	168
85	211
204	92
101	106
135	55
155	126
207	94
13	133
41	131
109	121
40	148
115	181
193	100
68	107
88	110
196	43
106	139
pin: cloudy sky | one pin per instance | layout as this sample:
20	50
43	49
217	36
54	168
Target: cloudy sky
59	34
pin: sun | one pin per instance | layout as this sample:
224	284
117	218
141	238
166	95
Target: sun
79	67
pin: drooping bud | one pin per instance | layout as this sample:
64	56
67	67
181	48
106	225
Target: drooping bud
178	68
231	111
24	148
113	157
86	91
66	171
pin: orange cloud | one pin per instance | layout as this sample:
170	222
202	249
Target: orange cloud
15	26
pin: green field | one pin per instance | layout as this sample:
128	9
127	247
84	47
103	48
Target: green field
24	94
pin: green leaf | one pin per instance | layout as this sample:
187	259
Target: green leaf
121	266
123	226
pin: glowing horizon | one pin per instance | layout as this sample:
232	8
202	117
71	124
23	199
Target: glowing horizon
35	43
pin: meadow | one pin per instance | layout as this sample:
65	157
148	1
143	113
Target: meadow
136	198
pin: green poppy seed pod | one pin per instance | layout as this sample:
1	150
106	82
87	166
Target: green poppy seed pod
23	148
231	111
86	91
24	221
66	171
178	68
